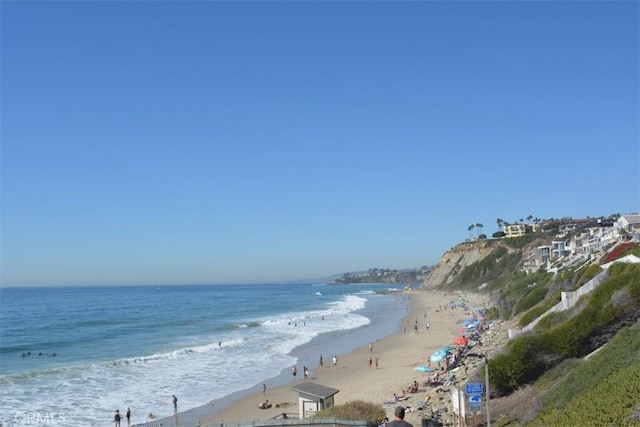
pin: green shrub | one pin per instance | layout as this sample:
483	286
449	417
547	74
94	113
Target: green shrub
634	251
354	410
492	313
588	274
600	391
566	275
530	356
531	298
548	321
539	310
531	315
508	371
521	241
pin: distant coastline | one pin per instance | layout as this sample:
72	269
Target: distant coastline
383	276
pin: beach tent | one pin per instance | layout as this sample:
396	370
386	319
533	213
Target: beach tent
423	369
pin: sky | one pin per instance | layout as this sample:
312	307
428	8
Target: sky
253	142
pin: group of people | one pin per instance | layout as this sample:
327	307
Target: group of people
411	388
28	353
305	372
117	418
334	360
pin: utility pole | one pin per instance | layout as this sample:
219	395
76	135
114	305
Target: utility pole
486	380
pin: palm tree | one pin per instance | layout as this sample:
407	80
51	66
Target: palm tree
479	227
500	223
470	229
529	218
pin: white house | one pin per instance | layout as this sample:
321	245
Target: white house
630	224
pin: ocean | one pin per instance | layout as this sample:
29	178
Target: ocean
71	356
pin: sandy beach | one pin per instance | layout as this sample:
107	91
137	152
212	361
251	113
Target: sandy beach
397	354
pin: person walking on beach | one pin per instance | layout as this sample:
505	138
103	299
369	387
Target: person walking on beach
128	414
264	388
377	363
370	362
116	418
306	372
321	361
398	420
175	404
335	361
294	371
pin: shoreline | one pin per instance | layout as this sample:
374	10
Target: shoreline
397	352
385	311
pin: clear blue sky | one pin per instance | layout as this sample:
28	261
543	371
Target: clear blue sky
247	142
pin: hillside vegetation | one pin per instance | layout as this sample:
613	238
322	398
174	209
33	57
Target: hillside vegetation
603	390
550	360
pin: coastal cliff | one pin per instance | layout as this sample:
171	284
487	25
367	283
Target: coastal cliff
455	260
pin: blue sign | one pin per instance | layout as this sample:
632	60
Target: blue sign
475	401
474	388
475	398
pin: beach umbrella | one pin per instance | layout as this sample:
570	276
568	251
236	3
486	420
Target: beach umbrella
448	348
461	341
438	355
423	369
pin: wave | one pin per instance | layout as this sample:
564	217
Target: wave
248	325
349	303
140	360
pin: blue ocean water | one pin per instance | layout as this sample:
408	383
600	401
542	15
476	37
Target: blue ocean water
137	345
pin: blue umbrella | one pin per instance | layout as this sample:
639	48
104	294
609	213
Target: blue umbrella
438	356
423	369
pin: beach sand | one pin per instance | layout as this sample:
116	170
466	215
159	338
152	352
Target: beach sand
397	355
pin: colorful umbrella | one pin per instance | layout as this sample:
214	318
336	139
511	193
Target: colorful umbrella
461	341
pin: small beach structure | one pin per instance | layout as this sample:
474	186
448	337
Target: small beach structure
313	397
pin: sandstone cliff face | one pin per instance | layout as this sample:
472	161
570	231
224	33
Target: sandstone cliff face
455	260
